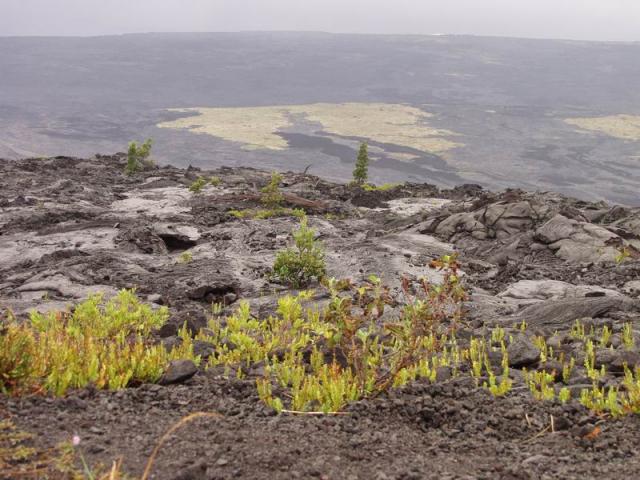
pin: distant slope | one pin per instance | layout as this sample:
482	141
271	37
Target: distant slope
507	99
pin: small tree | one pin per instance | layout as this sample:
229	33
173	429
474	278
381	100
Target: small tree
138	157
361	172
271	196
298	266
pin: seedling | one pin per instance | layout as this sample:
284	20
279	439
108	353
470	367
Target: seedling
622	255
361	171
605	336
271	196
577	331
298	266
627	336
564	395
567	368
540	384
138	157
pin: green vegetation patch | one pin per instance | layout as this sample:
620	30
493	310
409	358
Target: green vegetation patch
104	344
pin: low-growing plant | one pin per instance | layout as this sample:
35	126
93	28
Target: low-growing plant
504	386
215	181
322	360
627	336
540	384
102	343
138	157
623	254
578	330
605	336
590	362
19	459
601	399
564	395
299	265
186	257
567	368
497	335
263	214
380	188
198	185
271	196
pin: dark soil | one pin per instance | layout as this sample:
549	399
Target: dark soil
71	226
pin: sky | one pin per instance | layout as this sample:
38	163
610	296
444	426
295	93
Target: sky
609	20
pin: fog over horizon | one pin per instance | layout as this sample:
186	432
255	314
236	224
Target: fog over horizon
597	20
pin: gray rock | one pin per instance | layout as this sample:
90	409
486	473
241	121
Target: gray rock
629	358
559	314
168	330
169	343
198	471
178	371
552	289
203	349
522	352
155	298
177	237
194	319
579	242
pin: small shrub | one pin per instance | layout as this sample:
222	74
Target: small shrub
322	360
215	181
271	196
198	185
138	157
361	172
105	344
298	266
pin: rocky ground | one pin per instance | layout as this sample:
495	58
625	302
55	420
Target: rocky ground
69	227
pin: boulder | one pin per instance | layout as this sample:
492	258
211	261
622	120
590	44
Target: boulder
178	371
507	219
559	314
579	242
177	237
140	239
522	352
536	290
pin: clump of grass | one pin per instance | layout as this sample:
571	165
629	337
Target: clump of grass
298	266
215	181
138	157
198	185
105	344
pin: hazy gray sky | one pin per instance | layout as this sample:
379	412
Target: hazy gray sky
574	19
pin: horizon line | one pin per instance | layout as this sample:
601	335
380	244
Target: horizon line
314	32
